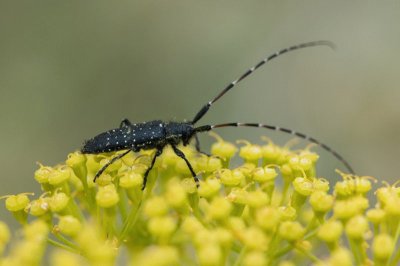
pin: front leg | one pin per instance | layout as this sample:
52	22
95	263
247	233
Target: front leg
182	155
197	145
125	123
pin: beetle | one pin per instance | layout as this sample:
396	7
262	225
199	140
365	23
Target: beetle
158	134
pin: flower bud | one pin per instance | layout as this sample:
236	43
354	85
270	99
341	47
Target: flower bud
238	195
61	257
330	231
343	188
303	186
157	256
376	216
36	231
291	231
321	202
204	237
189	185
231	178
58	202
155	206
219	209
209	187
257	199
213	164
383	247
77	161
175	194
356	227
321	184
287	213
191	225
42	174
223	149
264	174
270	152
209	255
4	234
268	218
345	209
224	236
363	185
255	239
59	176
392	206
17	202
342	257
286	263
236	225
294	162
254	258
312	156
39	207
130	180
384	195
161	226
107	196
250	153
69	225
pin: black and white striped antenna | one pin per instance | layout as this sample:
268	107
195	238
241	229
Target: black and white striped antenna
207	106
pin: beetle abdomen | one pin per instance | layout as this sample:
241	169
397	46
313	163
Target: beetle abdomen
147	135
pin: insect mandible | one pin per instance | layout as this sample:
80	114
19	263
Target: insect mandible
158	134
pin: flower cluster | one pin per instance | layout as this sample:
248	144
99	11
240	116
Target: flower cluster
272	209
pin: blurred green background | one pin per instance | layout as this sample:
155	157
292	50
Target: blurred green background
71	69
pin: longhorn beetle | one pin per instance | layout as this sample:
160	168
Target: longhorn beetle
158	134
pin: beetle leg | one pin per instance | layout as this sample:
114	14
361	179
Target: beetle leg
108	164
158	153
197	145
125	123
182	155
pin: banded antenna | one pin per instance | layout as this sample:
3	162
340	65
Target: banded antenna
207	106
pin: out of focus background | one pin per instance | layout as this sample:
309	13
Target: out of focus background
72	69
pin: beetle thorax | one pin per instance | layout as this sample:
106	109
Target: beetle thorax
179	132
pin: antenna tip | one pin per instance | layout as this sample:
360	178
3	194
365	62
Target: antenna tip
331	44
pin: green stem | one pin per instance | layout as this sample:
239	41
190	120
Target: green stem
66	241
288	248
309	255
240	257
60	245
356	253
395	258
130	222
